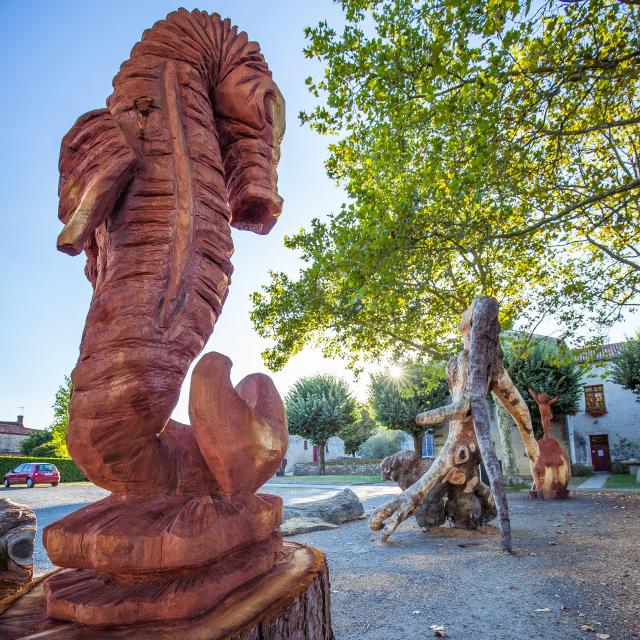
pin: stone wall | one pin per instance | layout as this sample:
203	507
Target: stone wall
339	468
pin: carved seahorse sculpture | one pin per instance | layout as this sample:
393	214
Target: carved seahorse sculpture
187	146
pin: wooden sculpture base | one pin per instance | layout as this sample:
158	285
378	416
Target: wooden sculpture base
142	535
290	602
549	494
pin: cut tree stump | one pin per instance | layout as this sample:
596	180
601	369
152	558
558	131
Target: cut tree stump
290	602
17	533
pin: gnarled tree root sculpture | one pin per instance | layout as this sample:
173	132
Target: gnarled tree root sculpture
149	188
468	505
454	473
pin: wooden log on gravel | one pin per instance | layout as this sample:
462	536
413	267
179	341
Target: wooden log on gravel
344	506
17	533
291	602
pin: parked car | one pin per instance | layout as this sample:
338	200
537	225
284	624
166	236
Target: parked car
33	473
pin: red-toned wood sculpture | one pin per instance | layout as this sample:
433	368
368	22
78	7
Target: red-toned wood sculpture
149	187
450	489
552	463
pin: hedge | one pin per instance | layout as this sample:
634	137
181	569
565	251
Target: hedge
581	470
69	472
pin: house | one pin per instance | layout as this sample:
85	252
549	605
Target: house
608	415
301	450
12	434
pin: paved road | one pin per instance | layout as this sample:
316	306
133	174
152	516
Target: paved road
52	503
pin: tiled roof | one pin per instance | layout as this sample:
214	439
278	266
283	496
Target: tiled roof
14	428
604	353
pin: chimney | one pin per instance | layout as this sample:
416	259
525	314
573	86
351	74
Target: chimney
20	418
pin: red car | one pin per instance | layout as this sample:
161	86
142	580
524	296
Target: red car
33	473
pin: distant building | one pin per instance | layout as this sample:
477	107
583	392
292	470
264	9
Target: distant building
301	450
12	434
608	413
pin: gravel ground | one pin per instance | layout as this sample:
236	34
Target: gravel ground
578	561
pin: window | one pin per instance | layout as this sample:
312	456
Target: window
306	445
46	467
428	446
594	399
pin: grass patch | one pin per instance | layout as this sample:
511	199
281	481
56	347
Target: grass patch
516	488
325	480
621	481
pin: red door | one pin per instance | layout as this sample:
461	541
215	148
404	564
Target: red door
600	456
315	453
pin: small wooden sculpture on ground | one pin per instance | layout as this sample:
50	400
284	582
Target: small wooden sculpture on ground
149	188
451	488
553	463
17	533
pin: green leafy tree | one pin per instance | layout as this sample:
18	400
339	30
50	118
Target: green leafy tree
473	141
319	407
396	400
626	367
354	434
61	419
543	368
35	440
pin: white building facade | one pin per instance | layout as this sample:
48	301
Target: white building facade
607	425
301	450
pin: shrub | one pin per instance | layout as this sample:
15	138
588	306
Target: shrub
69	472
581	470
46	450
382	444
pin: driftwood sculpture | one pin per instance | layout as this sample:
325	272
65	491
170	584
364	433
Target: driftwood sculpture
187	146
553	463
17	533
451	488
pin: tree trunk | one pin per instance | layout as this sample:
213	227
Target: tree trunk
505	428
418	439
291	602
321	447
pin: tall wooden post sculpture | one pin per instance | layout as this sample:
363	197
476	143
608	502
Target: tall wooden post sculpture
187	146
450	488
553	463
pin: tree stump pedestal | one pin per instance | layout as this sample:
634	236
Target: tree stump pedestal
290	602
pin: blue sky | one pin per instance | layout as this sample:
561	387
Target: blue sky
57	60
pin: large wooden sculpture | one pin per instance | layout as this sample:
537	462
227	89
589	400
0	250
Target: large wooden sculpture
451	489
187	146
553	463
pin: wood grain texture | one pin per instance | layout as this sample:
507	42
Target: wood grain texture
17	534
149	187
130	535
290	602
